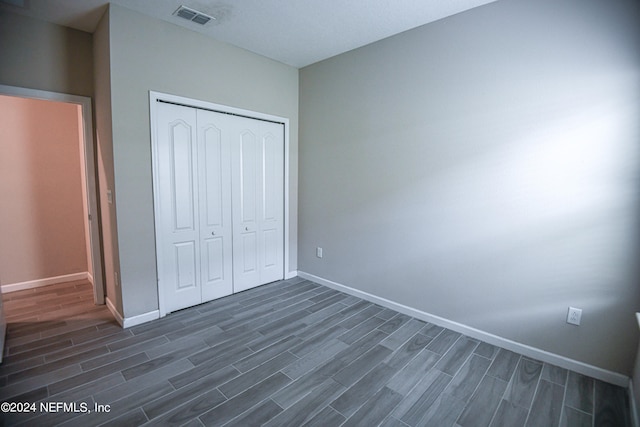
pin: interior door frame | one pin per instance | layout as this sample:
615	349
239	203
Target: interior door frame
90	173
154	98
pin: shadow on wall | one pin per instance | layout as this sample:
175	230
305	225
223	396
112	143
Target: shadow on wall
532	222
69	56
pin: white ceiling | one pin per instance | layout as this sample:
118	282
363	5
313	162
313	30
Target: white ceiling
296	32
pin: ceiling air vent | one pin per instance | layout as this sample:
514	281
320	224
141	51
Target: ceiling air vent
193	15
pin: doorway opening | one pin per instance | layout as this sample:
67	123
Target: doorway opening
70	192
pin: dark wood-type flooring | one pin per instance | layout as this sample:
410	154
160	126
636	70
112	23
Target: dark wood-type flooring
291	353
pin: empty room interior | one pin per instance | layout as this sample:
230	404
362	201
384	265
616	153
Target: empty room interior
288	213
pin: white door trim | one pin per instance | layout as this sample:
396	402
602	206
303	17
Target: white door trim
90	175
154	97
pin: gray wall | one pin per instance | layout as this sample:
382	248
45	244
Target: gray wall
485	168
104	159
148	54
39	55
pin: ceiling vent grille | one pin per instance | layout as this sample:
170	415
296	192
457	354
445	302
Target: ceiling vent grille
193	15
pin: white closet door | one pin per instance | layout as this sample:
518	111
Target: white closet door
214	165
179	250
258	205
220	207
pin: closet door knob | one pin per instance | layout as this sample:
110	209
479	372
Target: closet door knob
213	233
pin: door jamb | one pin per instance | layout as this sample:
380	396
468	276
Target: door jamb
154	97
90	173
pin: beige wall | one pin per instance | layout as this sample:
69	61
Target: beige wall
39	55
41	217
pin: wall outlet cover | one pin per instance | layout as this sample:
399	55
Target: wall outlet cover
574	316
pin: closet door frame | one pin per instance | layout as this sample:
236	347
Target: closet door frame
154	99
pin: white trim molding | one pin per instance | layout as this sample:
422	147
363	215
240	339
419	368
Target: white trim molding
128	322
532	352
291	274
47	281
140	319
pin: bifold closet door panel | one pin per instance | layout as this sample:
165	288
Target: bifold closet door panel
179	249
257	166
271	255
220	204
214	166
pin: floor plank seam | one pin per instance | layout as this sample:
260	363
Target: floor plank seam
306	339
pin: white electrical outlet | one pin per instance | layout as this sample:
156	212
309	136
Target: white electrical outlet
574	316
319	252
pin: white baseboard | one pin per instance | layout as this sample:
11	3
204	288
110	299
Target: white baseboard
141	318
90	277
127	322
532	352
291	274
13	287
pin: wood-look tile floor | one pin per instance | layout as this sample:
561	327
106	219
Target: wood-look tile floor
291	353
